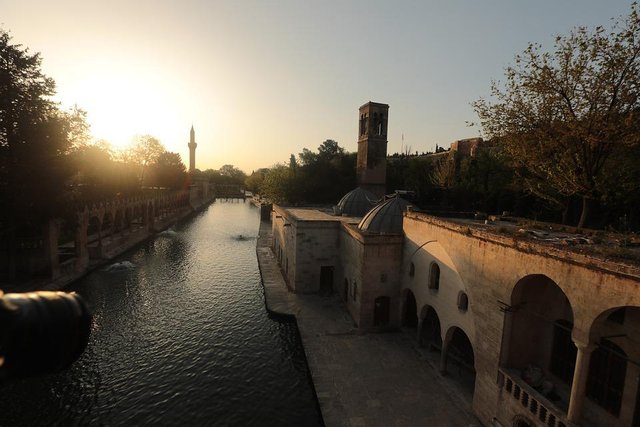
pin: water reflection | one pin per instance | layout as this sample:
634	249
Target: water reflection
181	338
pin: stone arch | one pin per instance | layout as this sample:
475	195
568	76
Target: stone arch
128	216
522	421
430	334
613	370
458	357
409	309
540	322
107	223
118	220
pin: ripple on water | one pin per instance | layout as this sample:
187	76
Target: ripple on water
180	339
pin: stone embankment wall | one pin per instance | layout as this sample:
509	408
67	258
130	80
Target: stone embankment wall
101	232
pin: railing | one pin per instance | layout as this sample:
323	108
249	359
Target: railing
544	412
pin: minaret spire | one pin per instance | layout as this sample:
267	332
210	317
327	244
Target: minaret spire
192	150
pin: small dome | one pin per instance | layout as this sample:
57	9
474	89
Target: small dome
386	217
356	202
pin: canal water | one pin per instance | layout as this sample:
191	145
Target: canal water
180	336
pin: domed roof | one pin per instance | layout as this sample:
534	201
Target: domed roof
357	202
386	217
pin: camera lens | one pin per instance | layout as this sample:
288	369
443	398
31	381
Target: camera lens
42	332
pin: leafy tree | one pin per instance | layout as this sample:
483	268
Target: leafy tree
307	157
321	177
168	171
254	181
276	184
35	138
562	116
145	150
329	149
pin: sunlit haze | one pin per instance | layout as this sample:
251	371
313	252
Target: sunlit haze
262	80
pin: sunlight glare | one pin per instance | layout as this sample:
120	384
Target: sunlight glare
121	106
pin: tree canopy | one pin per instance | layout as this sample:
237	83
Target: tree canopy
35	137
562	116
315	177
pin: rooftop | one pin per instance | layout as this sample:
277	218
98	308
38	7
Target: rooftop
614	252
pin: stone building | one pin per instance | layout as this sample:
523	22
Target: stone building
371	165
537	335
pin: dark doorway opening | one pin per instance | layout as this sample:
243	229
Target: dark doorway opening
410	317
430	335
381	311
460	359
326	280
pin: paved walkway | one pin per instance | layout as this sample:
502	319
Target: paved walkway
363	379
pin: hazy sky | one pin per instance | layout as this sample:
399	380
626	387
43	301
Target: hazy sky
260	80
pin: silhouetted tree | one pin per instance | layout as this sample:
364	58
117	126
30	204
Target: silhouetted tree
168	171
35	138
321	177
562	116
145	150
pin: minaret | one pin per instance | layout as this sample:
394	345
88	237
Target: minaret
372	147
192	150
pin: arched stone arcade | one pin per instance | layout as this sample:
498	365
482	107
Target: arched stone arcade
542	348
409	310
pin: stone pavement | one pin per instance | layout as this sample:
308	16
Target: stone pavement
363	379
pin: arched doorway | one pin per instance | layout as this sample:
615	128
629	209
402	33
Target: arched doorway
410	311
459	360
430	332
381	311
541	322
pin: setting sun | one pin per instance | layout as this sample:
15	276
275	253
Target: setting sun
124	101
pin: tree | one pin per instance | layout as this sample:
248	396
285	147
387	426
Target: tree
34	146
34	139
254	181
276	185
329	149
232	175
145	150
561	116
169	171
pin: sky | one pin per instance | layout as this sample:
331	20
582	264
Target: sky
261	80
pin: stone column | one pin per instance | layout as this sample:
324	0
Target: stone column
443	354
579	384
506	338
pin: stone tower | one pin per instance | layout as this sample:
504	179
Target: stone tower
372	147
192	150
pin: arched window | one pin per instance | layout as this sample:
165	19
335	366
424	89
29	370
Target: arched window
607	373
412	270
434	276
355	290
463	301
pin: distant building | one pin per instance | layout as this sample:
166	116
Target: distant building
468	147
537	335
